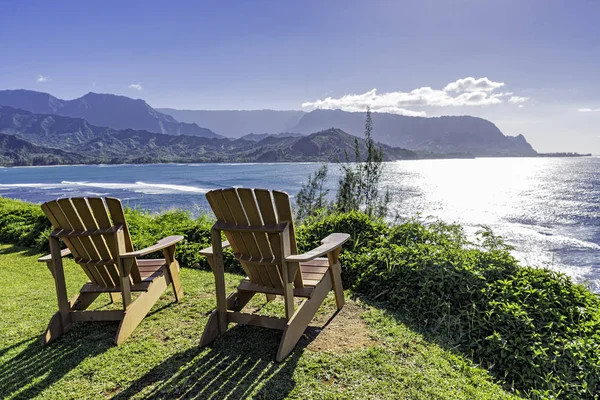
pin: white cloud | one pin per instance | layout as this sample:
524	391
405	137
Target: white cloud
518	99
136	86
521	105
42	79
463	92
589	110
471	84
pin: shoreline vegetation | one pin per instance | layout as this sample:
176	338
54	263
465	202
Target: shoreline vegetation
420	157
535	331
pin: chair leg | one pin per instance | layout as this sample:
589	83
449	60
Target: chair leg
60	323
211	330
173	271
270	297
338	289
53	331
302	317
81	301
235	302
139	308
335	268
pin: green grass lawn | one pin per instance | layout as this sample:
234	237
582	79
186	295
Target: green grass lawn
362	353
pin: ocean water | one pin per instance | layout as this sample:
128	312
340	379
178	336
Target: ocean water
547	208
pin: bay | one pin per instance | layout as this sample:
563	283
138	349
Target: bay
547	208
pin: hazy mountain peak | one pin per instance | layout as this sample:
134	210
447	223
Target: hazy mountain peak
103	109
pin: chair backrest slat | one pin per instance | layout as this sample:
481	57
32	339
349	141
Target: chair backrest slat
77	243
221	209
118	218
75	221
256	208
87	218
72	243
284	212
265	205
239	215
262	240
96	253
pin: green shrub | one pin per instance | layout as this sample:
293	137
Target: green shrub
24	224
146	229
534	329
366	234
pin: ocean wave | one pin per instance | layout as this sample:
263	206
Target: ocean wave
25	185
138	187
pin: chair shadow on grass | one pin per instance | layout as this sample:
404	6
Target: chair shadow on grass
237	365
35	368
24	251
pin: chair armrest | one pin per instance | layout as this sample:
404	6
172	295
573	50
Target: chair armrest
329	244
46	258
160	245
209	251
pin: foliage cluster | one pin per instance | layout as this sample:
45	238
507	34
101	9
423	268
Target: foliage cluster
24	224
146	229
358	187
359	184
534	329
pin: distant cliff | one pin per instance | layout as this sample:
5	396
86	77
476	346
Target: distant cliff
451	134
438	135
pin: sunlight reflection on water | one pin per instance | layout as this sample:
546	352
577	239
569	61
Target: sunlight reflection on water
547	208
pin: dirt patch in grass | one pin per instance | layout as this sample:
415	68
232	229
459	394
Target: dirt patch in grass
345	331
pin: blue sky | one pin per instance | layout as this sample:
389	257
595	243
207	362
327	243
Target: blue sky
281	55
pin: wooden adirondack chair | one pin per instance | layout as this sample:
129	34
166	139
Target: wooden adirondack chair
260	230
96	235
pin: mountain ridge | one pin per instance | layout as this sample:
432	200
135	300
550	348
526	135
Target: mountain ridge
439	135
238	123
45	135
444	135
103	109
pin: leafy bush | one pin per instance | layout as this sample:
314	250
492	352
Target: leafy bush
366	234
146	229
534	329
24	224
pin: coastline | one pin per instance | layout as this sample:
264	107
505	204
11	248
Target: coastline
325	161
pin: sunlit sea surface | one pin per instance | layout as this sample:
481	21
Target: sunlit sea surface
547	208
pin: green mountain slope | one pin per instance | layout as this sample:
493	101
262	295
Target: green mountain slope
18	152
74	140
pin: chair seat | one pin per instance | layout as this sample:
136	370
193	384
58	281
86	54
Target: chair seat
149	271
313	271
